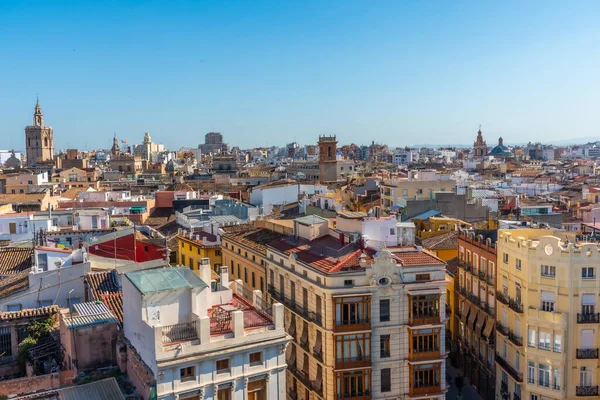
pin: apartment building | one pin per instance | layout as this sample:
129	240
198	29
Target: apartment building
417	185
245	252
188	340
366	323
197	246
475	315
547	333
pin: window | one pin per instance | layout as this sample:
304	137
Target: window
505	258
239	274
544	375
256	358
557	342
556	378
548	271
353	348
531	372
531	337
534	397
246	254
419	191
425	340
422	277
518	293
384	346
424	306
544	342
217	252
348	282
253	281
5	342
353	384
547	301
223	366
384	310
386	380
404	192
585	376
587	273
182	259
187	374
352	310
588	304
246	275
518	263
425	376
14	307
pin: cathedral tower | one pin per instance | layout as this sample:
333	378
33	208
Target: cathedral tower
327	159
39	139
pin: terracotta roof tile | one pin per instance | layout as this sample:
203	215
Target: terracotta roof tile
114	302
14	284
105	287
448	240
28	313
415	258
452	266
15	259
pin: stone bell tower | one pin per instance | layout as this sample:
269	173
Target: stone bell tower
327	159
39	139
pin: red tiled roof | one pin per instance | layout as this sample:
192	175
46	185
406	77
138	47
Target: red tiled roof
28	313
414	258
104	287
114	302
15	259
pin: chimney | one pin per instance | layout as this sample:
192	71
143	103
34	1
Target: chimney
224	276
204	269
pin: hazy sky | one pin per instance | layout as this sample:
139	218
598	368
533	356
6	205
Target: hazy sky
268	73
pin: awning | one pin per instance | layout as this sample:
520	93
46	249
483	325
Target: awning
465	311
473	316
489	326
137	208
482	318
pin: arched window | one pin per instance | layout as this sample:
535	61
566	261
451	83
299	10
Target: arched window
329	151
46	142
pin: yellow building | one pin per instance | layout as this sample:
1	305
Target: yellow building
201	245
434	226
245	253
547	325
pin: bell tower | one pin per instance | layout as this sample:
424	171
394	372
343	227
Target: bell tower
327	159
39	139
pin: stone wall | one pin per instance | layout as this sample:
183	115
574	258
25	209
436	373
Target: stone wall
139	373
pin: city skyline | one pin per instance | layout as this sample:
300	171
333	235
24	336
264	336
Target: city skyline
397	74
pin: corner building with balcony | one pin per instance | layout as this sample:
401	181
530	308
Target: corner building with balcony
547	331
475	315
190	338
367	322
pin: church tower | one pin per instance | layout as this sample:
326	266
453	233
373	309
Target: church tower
480	149
327	159
39	139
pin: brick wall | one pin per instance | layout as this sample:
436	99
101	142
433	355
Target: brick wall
139	373
30	384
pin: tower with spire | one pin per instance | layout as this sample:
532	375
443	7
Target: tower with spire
39	139
480	149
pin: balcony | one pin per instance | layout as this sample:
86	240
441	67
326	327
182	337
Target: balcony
353	362
516	396
181	332
592	318
292	394
516	375
300	375
318	355
517	340
291	305
357	395
586	390
503	330
491	280
491	311
352	324
425	354
448	310
587	354
466	266
473	298
425	391
425	320
482	275
502	298
504	388
518	307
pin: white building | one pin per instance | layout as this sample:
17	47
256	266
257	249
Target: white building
270	196
202	342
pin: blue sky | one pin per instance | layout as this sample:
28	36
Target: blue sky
268	73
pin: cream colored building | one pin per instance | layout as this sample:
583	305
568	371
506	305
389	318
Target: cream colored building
418	185
547	324
367	323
